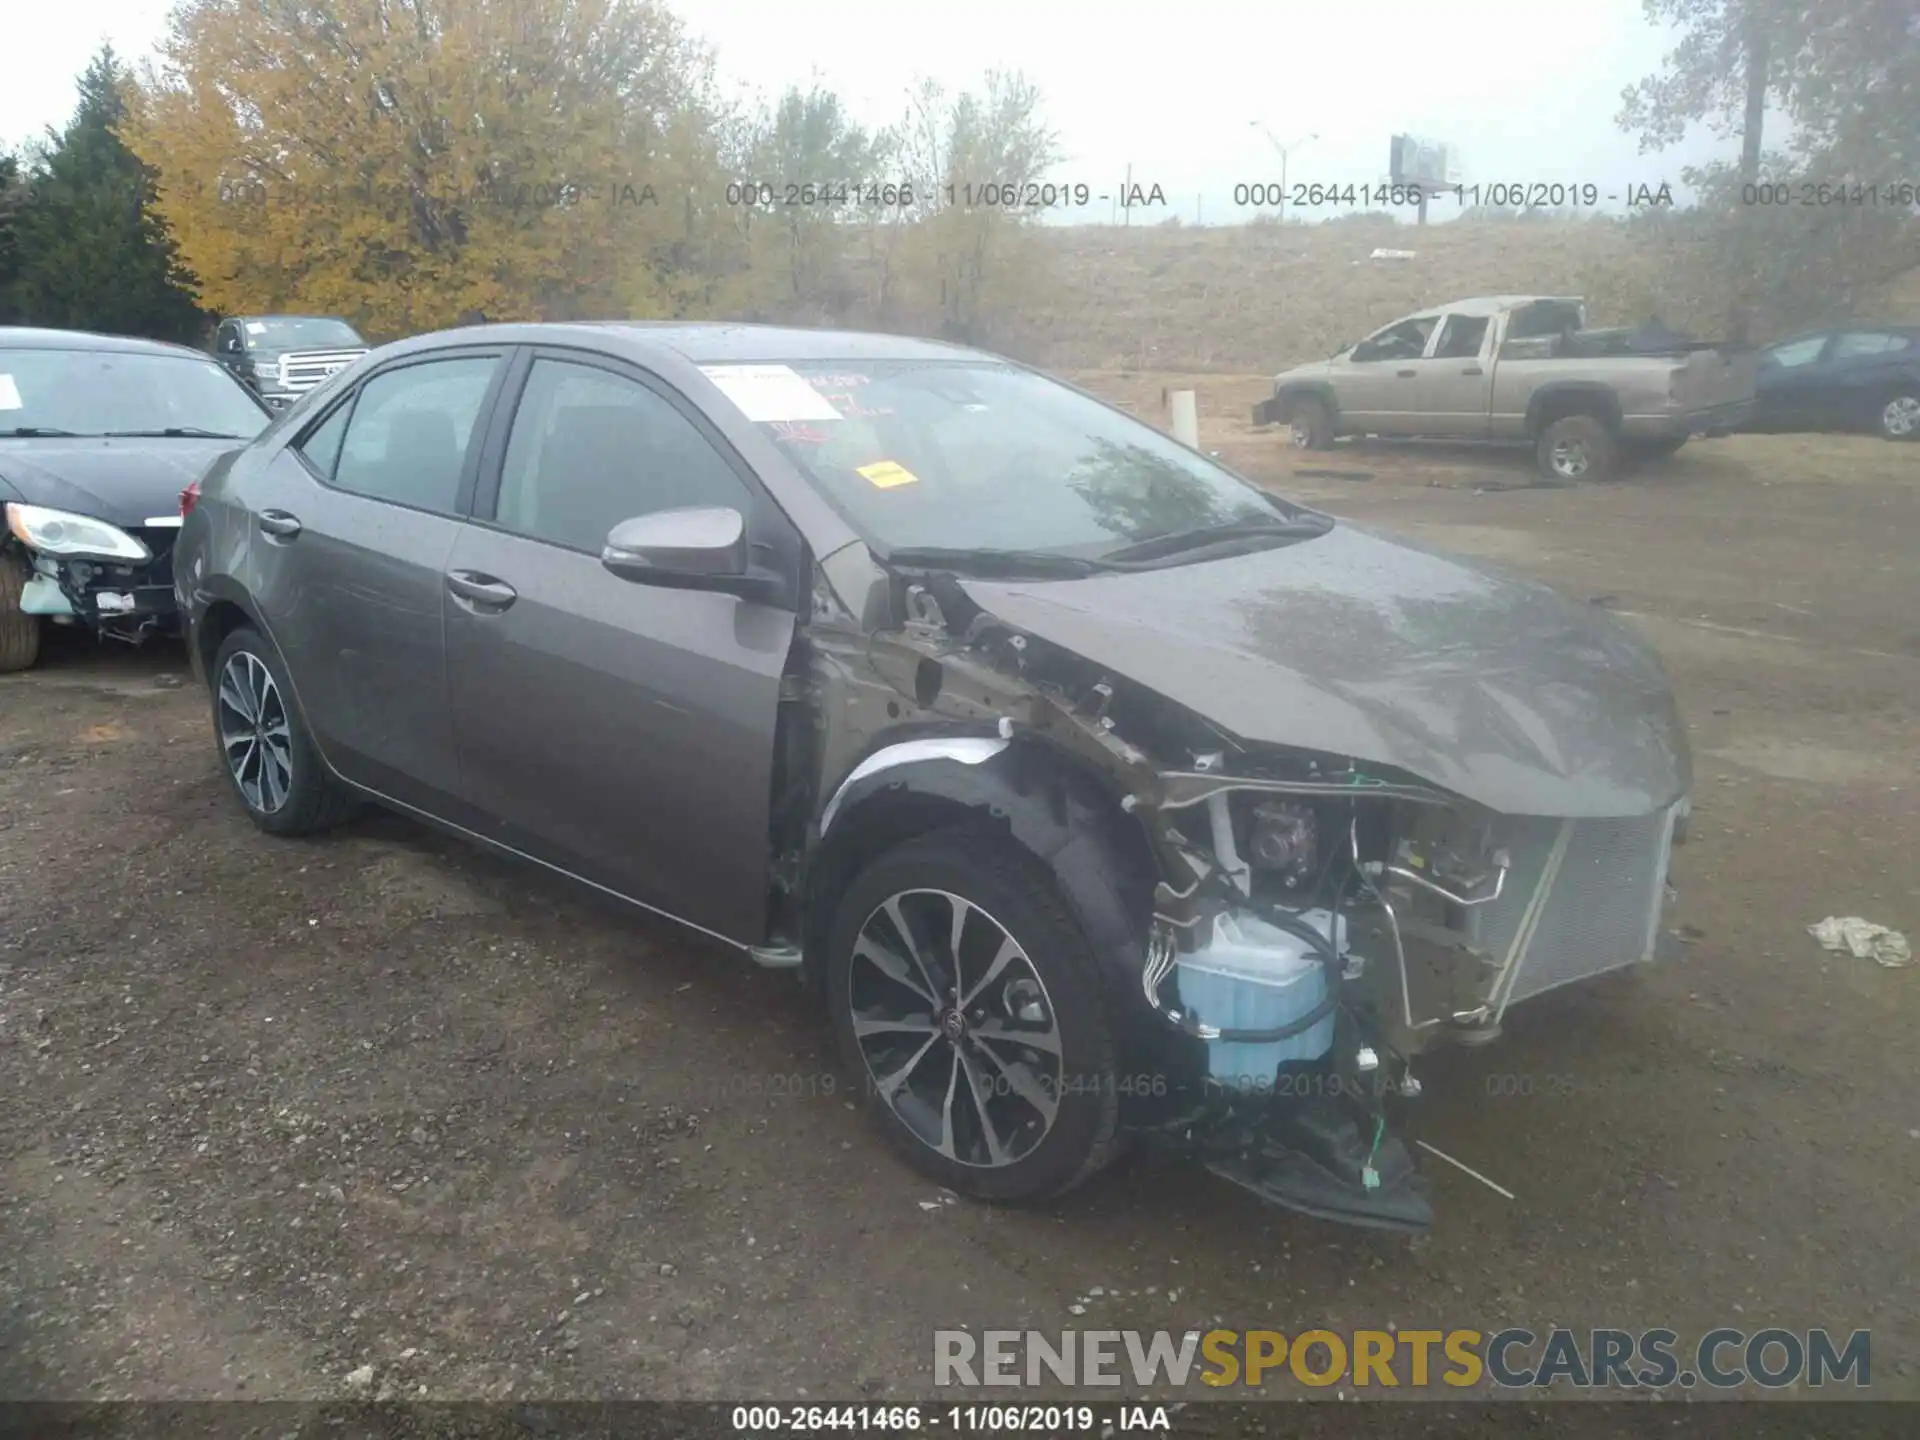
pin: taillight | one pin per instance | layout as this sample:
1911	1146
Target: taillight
189	498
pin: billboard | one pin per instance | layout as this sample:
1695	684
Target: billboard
1423	162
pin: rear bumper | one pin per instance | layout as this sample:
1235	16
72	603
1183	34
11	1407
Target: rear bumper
1685	424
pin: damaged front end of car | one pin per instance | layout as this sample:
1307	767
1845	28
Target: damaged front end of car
1283	930
115	581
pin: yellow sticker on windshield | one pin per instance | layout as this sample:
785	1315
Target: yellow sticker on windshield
885	475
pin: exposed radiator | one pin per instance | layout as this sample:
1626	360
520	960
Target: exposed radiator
1601	908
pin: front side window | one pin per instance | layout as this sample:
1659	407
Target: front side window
590	448
981	454
110	392
410	431
1404	341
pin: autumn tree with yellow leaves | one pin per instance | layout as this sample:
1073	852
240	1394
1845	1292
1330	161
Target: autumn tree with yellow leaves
414	162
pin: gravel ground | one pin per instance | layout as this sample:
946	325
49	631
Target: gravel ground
380	1116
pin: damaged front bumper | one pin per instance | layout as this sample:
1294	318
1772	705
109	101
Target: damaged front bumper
117	600
1443	916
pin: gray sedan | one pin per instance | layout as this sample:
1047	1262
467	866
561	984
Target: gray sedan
1097	794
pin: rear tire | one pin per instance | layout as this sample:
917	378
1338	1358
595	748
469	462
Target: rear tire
19	631
979	1112
266	751
1575	448
1311	419
1898	417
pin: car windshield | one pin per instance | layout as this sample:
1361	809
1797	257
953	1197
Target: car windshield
299	332
982	455
102	392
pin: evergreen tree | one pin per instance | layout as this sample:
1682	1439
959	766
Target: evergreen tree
12	195
89	250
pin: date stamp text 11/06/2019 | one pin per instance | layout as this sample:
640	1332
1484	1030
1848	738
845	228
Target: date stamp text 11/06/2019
963	195
1500	194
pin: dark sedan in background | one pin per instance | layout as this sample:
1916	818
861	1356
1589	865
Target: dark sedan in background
1859	377
99	434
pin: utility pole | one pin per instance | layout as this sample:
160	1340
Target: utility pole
1283	149
1754	39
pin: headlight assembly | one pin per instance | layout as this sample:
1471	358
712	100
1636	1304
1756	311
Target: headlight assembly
56	532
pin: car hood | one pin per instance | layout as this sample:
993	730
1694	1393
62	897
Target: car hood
1313	369
124	482
1498	689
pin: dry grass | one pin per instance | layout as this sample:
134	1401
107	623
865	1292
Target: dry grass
1256	298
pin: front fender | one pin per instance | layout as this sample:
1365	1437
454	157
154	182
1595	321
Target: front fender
1050	804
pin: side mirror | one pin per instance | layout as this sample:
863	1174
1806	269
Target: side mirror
697	548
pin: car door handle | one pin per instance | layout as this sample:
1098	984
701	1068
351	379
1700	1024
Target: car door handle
278	523
483	592
1406	374
1473	370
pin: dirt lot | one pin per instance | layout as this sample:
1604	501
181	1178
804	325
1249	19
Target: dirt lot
279	1111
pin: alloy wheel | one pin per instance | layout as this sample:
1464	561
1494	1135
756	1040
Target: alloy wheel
956	1028
1901	416
254	734
1302	436
1569	459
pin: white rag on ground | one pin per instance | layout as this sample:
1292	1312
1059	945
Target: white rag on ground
1863	940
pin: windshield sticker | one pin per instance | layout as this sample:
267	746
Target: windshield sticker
798	433
10	394
768	393
886	475
256	327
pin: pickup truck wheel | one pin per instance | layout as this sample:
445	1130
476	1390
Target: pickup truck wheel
19	631
967	1005
1312	422
1899	416
1575	448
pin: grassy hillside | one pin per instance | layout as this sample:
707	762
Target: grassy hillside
1249	298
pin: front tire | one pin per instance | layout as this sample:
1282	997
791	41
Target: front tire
1311	421
1575	448
988	1063
266	751
1898	417
19	631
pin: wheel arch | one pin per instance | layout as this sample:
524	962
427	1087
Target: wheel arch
1572	397
1287	396
1052	805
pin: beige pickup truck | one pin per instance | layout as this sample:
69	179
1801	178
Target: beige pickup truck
1521	369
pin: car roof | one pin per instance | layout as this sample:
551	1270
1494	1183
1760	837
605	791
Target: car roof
288	315
1494	304
29	337
1847	327
703	342
716	341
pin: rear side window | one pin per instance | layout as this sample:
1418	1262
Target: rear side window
590	448
1858	343
1462	337
408	437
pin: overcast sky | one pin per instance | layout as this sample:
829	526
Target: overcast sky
1526	89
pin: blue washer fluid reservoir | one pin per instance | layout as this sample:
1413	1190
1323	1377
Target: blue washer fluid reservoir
1255	976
